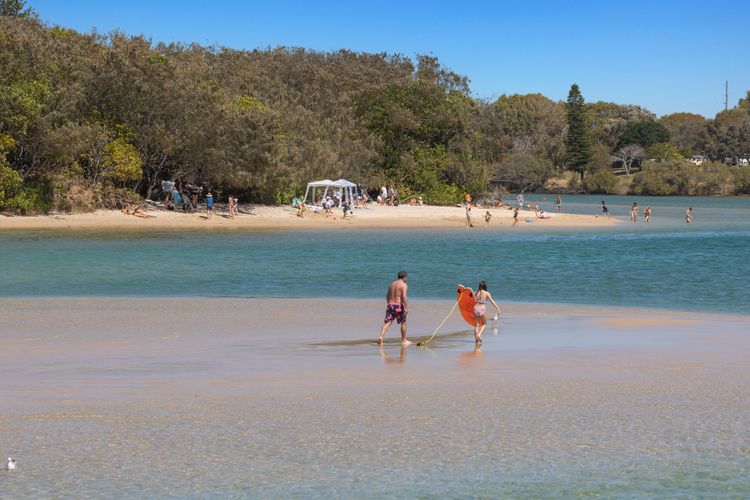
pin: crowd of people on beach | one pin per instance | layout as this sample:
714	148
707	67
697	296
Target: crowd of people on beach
186	196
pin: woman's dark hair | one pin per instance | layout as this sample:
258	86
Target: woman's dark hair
401	275
483	285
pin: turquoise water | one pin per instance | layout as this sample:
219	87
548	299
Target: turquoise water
667	264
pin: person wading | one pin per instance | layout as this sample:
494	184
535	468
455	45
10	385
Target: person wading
396	308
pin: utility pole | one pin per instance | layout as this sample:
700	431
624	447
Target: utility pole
726	95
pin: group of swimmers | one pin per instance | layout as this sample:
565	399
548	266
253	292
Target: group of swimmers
647	213
397	308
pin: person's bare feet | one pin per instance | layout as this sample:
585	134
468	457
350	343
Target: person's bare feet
406	342
380	340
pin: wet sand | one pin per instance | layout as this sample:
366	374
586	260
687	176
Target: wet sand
290	398
265	217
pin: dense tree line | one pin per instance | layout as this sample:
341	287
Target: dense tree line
89	119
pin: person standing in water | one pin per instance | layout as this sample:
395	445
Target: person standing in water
396	309
605	210
558	203
647	214
634	213
480	309
689	215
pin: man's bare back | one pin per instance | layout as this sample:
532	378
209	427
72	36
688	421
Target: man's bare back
396	293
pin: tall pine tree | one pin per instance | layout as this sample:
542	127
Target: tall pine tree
578	142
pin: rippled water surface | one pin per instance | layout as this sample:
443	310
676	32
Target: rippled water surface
667	264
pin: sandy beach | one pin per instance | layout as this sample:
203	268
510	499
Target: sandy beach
268	397
267	217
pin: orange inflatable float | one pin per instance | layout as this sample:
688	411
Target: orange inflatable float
466	302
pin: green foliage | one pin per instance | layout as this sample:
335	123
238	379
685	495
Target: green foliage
601	180
121	161
711	178
744	102
578	143
645	133
524	172
7	144
741	180
10	182
607	121
31	198
680	177
729	134
670	177
662	151
250	103
14	8
687	131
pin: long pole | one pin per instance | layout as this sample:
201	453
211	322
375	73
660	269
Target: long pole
726	95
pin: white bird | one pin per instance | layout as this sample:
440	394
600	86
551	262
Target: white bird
11	464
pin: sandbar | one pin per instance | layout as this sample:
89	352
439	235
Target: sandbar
270	217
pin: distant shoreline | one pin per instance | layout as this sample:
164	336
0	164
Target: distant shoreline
285	218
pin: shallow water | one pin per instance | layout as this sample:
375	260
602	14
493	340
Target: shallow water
667	264
193	398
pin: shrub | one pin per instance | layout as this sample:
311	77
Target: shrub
712	178
741	179
601	180
10	182
664	178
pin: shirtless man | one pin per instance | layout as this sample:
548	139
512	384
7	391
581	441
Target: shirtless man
397	307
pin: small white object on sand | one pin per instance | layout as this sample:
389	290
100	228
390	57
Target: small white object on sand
11	465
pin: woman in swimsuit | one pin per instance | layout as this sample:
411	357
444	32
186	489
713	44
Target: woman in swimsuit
480	309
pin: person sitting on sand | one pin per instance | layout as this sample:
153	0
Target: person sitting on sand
347	209
328	206
543	215
301	209
480	309
136	210
396	308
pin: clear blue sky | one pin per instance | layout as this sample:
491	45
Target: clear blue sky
667	56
